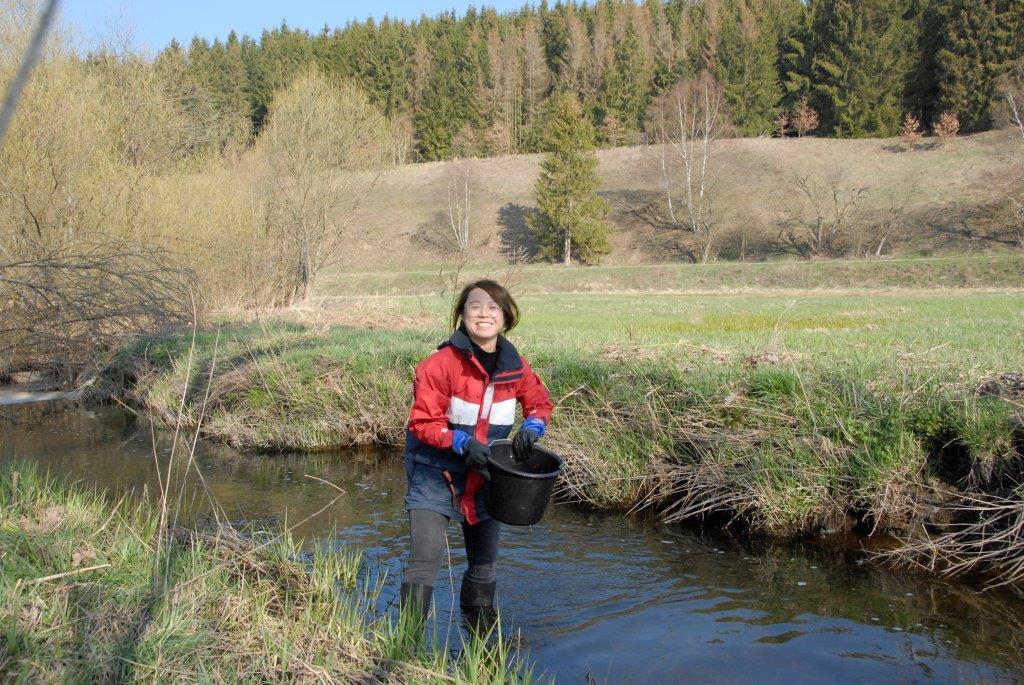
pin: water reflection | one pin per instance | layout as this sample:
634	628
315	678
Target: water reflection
614	598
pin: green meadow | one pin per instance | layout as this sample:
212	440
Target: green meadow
783	411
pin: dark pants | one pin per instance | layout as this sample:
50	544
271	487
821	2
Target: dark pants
427	529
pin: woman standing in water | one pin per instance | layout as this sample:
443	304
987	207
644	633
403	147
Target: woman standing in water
464	396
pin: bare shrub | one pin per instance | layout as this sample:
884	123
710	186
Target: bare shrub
892	220
612	130
321	152
910	131
498	139
85	256
819	228
68	305
947	127
688	124
464	142
805	118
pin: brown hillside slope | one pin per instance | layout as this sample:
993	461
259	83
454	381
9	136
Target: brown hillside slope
956	192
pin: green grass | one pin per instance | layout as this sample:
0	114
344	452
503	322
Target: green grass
976	271
797	408
943	332
807	407
87	595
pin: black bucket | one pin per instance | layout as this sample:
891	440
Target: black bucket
518	494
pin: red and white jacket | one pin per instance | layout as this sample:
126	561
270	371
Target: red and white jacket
453	392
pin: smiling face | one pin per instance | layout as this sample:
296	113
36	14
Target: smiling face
484	319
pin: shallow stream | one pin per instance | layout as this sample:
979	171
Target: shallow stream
595	597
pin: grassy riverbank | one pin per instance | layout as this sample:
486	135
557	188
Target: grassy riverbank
91	592
790	415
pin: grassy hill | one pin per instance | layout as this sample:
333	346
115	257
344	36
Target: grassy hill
955	192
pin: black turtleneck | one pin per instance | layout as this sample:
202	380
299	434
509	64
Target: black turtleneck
488	360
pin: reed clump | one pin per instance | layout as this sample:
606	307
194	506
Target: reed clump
86	593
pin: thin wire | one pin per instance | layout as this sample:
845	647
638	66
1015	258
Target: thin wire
28	63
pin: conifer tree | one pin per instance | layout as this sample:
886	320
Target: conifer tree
665	48
797	55
535	80
572	62
862	56
626	89
570	220
977	48
922	92
747	67
447	104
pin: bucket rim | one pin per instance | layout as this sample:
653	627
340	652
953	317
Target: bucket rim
522	474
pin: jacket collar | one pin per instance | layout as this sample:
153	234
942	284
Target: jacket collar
508	355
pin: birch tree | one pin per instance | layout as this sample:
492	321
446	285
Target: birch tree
689	127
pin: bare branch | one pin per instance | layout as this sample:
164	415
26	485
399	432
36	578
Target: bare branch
819	228
694	123
74	304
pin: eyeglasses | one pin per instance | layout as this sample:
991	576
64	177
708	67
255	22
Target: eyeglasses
479	308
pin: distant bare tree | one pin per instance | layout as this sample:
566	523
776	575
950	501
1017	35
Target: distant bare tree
893	218
688	129
459	202
805	118
319	155
819	228
947	127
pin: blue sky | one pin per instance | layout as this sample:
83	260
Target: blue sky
153	24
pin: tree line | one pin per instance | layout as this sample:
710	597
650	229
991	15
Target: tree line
479	83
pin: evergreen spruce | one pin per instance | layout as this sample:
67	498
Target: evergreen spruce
977	49
863	53
487	76
570	221
627	84
747	68
922	92
448	100
797	55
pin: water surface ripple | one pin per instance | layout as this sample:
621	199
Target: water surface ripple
595	597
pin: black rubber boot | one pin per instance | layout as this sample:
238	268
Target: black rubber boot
415	600
477	603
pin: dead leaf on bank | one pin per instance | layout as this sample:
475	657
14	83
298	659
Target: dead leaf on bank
772	356
81	557
31	614
47	522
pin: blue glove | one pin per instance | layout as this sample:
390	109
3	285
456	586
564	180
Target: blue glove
522	445
476	452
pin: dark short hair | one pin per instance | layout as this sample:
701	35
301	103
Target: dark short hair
498	293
